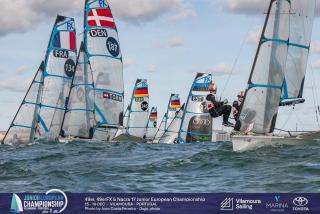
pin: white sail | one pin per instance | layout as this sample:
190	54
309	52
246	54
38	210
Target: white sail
171	134
161	129
301	23
196	125
103	50
123	124
173	106
261	103
59	68
23	126
152	124
79	118
139	109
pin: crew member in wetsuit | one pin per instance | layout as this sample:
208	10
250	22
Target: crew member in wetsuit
236	106
217	108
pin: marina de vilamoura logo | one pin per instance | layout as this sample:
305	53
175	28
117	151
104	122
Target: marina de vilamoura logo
53	201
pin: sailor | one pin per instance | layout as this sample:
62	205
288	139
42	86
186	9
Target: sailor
236	105
217	108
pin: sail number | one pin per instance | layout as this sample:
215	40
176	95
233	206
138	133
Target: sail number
113	46
70	67
144	106
197	98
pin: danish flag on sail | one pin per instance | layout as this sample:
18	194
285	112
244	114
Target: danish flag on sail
101	18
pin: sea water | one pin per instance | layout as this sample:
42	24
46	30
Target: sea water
137	167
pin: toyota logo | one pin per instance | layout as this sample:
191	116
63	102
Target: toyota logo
300	201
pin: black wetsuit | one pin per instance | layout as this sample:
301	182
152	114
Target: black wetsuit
219	108
236	105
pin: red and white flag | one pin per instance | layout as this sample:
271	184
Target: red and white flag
101	18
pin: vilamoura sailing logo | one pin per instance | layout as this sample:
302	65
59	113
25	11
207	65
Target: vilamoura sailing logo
16	204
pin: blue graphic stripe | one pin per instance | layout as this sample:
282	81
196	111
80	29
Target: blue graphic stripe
22	126
45	106
264	86
285	42
189	112
104	120
46	74
86	110
83	84
43	124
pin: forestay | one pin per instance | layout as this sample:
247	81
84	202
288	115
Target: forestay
171	134
152	124
103	50
23	126
139	109
79	118
59	68
301	22
196	125
173	107
161	129
262	98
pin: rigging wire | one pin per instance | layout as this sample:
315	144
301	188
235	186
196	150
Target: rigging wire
236	59
315	97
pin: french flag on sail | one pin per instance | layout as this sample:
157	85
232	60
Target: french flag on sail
65	40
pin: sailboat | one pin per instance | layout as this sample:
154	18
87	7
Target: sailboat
139	109
196	125
173	106
171	134
152	124
277	75
102	48
58	71
41	111
79	119
22	128
161	129
135	123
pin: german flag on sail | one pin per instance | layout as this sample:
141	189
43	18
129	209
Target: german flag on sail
175	104
141	92
153	115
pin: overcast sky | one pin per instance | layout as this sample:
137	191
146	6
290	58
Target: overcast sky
164	41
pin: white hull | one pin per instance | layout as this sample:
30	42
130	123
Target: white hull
243	143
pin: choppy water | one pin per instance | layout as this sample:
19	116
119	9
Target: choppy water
133	167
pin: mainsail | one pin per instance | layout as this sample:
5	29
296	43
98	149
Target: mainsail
23	126
139	109
79	117
152	124
171	134
301	22
261	103
59	68
196	125
161	129
103	50
173	106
